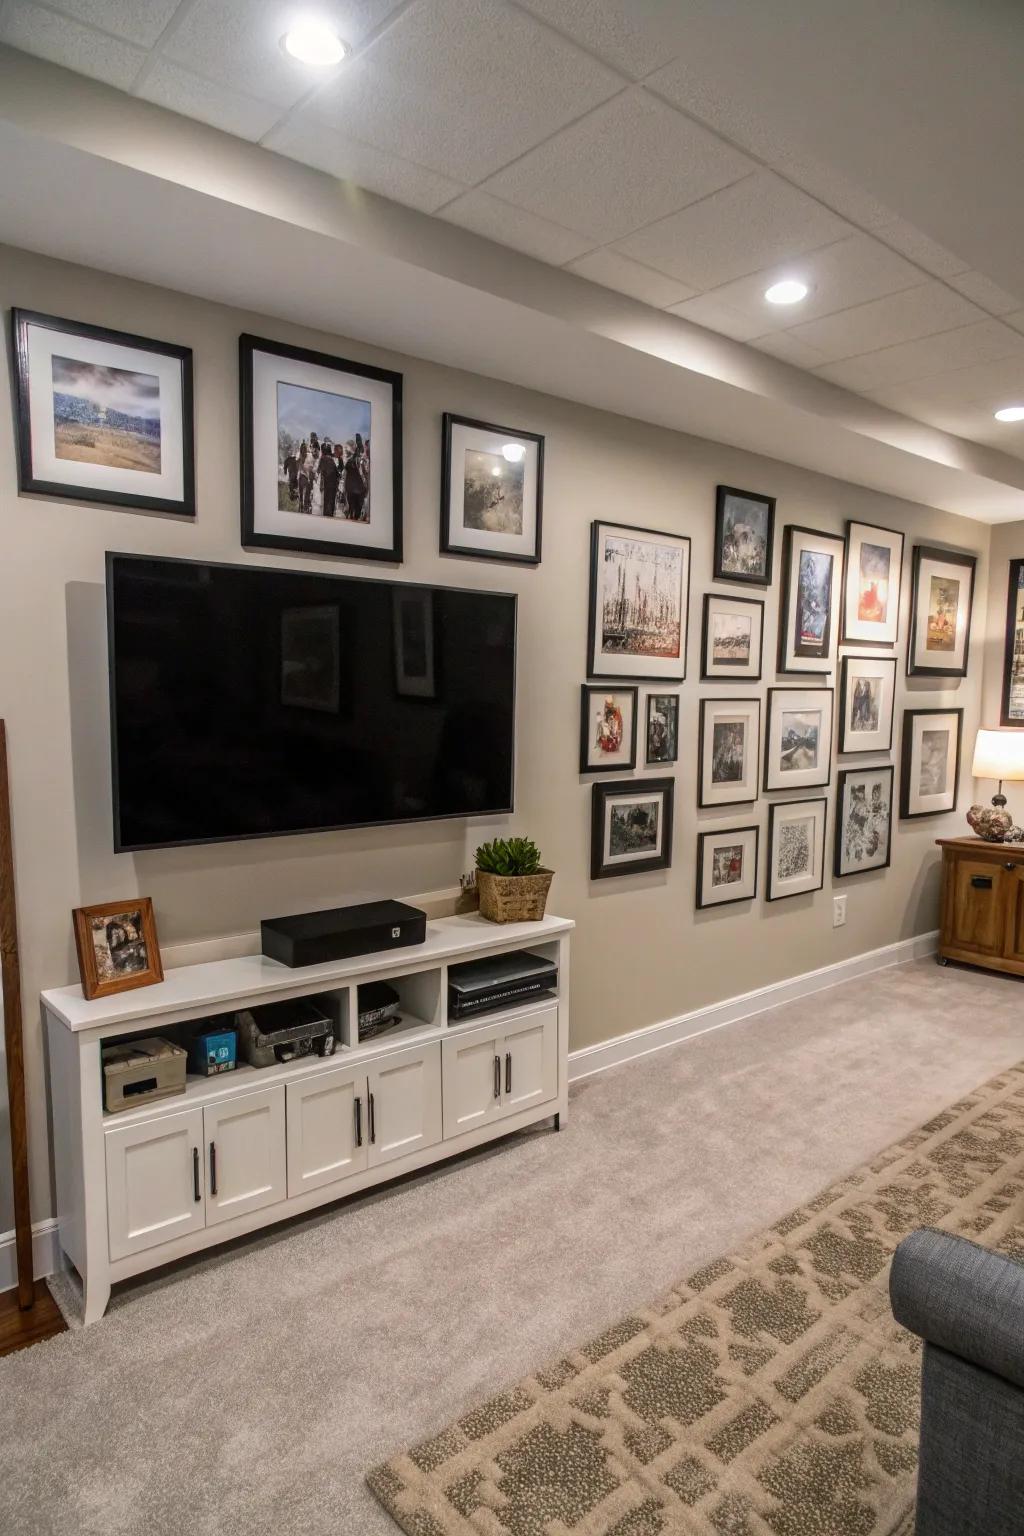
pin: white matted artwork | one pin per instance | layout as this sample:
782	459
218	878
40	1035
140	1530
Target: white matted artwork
631	827
863	836
796	847
729	751
639	603
492	487
866	694
798	738
726	866
930	766
812	577
940	617
732	636
871	594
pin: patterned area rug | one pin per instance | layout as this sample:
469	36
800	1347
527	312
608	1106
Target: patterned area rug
769	1394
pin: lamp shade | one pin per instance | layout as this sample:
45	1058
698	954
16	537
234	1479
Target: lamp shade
999	754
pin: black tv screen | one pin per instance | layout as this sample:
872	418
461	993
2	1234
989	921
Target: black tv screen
250	701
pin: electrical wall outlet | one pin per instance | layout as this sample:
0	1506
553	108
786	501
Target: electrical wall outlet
838	911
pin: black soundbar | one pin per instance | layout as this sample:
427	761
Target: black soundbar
312	938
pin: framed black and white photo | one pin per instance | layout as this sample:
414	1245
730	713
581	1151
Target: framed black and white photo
1012	712
412	624
726	866
492	485
871	591
744	534
867	689
103	416
796	847
930	767
940	614
662	728
607	729
630	827
639	603
798	738
321	453
812	576
732	638
863	837
729	751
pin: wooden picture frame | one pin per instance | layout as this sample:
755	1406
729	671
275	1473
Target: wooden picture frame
1012	703
461	435
748	839
808	637
930	786
858	706
726	669
812	812
633	797
127	930
872	585
949	575
738	774
621	756
616	648
749	561
857	835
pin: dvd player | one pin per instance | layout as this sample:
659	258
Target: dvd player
499	981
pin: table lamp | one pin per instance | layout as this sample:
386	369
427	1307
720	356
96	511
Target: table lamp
999	755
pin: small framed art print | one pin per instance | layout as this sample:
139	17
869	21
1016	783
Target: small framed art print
798	738
1012	712
796	847
492	484
729	751
607	729
871	590
744	534
812	576
662	728
732	638
103	416
117	946
863	836
930	767
726	866
631	827
639	603
940	614
867	689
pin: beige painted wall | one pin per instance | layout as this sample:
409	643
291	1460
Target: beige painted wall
642	954
1007	545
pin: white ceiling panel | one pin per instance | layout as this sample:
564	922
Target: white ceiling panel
836	192
627	163
784	346
53	37
489	216
464	86
137	21
690	88
984	342
976	286
919	247
611	270
887	322
303	138
168	85
610	29
1016	320
707	309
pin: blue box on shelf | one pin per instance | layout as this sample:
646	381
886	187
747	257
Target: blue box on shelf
212	1051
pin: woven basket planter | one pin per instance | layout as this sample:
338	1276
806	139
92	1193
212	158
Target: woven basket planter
514	898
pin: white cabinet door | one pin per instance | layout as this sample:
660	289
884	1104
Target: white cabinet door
245	1154
529	1061
327	1129
471	1067
404	1104
155	1185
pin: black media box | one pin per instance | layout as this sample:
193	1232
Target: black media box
311	938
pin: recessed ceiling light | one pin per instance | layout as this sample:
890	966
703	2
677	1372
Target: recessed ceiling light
513	452
1010	413
790	291
314	43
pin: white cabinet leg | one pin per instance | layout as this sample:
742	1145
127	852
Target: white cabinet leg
97	1294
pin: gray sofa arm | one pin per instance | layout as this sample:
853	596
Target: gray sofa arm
967	1300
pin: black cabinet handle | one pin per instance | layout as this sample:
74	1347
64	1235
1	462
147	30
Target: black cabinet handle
213	1168
359	1122
373	1121
982	882
497	1077
508	1071
195	1174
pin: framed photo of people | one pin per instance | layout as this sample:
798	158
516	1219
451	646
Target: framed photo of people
871	590
812	574
726	866
1013	662
744	535
796	847
867	690
798	738
863	835
630	827
940	614
639	603
729	751
607	729
662	728
930	767
117	946
492	486
732	639
321	453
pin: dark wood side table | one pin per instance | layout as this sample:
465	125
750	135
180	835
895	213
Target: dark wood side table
982	904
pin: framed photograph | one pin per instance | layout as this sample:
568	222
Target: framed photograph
103	416
1013	662
812	577
662	728
732	638
930	767
726	866
871	591
729	751
412	622
117	946
796	847
311	658
867	689
607	729
639	603
940	613
321	453
863	820
798	738
744	533
492	483
631	827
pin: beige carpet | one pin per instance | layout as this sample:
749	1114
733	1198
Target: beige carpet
770	1392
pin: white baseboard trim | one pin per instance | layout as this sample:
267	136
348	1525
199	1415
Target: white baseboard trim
655	1037
45	1253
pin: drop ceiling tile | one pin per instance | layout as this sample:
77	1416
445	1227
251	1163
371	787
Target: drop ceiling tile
987	341
168	85
919	247
1016	320
886	322
611	270
964	401
495	220
753	224
627	163
137	21
784	346
610	29
708	311
976	286
842	196
464	86
48	36
303	138
691	89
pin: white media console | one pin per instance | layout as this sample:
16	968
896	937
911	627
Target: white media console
241	1150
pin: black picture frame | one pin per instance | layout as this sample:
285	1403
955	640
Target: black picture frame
816	783
844	676
448	544
604	791
754	748
763	579
253	538
653	694
1014	642
777	808
666	678
906	761
922	552
787	609
853	639
716	833
722	677
30	483
882	769
587	690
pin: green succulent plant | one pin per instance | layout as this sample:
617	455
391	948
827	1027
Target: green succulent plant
509	856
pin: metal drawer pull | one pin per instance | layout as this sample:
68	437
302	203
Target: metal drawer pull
213	1168
497	1077
195	1174
373	1121
359	1122
1010	864
981	882
508	1071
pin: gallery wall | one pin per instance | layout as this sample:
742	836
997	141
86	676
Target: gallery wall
642	953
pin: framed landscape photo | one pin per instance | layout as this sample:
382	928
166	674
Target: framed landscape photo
607	729
321	453
867	690
662	728
631	827
492	483
812	574
117	946
863	837
732	638
796	847
930	767
726	866
744	534
1012	712
798	738
871	591
729	751
103	416
940	614
639	603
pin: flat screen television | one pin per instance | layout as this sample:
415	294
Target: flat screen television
251	701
